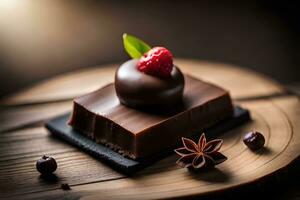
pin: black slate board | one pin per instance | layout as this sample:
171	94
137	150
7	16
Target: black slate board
58	127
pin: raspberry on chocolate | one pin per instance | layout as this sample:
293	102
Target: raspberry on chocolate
157	62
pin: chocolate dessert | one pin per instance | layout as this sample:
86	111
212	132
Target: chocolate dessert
150	106
136	89
138	133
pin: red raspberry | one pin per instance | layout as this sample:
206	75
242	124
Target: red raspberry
157	62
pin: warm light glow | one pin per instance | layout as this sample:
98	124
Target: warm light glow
9	4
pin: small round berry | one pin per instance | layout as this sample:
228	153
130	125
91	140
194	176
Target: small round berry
254	140
46	165
157	62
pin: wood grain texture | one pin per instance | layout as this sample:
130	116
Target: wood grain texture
165	180
19	151
83	81
276	117
16	117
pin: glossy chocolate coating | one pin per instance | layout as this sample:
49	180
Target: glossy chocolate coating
139	90
137	133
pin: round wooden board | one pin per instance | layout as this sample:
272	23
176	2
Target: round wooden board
274	113
68	86
276	119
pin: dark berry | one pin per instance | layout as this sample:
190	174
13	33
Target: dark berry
46	165
254	140
65	186
157	62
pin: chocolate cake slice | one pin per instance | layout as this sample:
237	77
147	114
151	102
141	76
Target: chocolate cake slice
139	133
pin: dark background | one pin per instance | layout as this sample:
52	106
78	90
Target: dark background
39	39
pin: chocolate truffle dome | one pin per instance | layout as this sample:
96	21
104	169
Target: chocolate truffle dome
139	90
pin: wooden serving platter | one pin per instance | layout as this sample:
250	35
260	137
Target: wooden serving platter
23	139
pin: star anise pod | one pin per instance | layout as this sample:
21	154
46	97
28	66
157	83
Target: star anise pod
201	155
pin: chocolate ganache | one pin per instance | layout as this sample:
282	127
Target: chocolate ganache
139	90
135	133
129	115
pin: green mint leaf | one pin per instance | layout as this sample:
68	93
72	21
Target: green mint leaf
134	46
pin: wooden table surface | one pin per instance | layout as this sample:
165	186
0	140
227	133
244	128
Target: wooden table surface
24	139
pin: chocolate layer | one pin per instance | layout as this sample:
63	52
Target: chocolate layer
139	90
138	133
